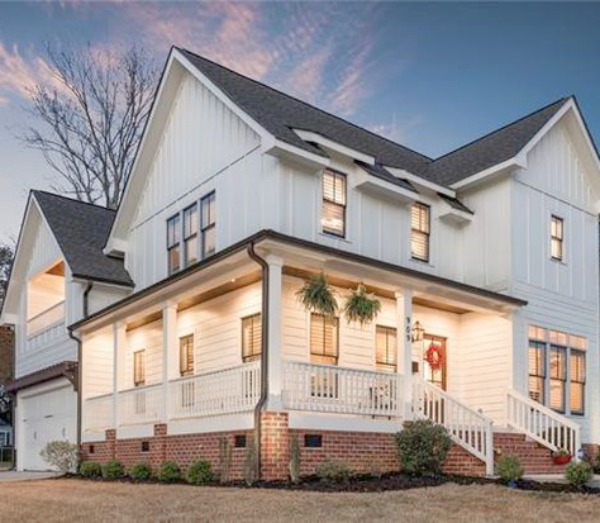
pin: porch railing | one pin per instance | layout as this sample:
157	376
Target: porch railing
99	413
325	388
46	319
468	428
141	405
542	424
221	392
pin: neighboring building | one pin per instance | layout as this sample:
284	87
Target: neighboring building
7	339
485	262
6	435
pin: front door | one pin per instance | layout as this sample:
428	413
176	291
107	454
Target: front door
435	360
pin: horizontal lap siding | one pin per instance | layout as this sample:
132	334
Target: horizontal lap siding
149	338
97	364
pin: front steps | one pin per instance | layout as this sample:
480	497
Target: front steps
535	458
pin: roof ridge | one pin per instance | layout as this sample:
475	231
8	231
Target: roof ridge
73	200
307	104
502	128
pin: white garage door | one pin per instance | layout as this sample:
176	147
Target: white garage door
48	416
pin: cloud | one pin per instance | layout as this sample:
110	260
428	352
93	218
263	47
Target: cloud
399	133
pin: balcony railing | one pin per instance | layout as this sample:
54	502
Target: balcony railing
221	392
45	320
141	405
325	388
99	413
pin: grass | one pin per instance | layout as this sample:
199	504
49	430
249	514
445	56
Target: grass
76	500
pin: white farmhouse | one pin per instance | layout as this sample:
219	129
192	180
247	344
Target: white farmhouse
485	262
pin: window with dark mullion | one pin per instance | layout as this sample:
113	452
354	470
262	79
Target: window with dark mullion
208	225
139	368
557	370
333	215
537	370
190	235
324	336
186	355
251	338
577	384
385	348
556	238
420	230
174	243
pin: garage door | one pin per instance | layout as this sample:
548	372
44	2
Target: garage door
48	416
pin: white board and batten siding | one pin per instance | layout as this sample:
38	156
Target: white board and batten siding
562	295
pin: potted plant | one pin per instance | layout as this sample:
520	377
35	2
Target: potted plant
561	457
361	306
317	296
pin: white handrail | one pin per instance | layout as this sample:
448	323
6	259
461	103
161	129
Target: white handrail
141	405
542	424
46	319
467	427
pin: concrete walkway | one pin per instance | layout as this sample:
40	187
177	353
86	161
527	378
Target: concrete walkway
10	476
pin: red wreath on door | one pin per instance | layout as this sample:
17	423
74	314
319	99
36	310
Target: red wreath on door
435	357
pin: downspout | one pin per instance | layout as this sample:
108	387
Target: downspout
264	357
77	340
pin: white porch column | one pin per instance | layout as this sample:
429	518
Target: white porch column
170	352
404	357
119	355
275	368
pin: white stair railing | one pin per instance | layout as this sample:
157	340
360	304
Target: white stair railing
542	424
468	428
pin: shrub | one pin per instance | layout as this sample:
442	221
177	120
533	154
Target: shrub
295	460
169	472
90	469
141	472
251	465
578	473
509	469
336	471
200	473
597	463
113	470
422	447
62	455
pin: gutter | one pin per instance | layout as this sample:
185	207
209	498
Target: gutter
264	355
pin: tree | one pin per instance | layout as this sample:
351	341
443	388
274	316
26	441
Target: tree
89	122
6	260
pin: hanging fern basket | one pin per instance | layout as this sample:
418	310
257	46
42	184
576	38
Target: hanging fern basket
361	306
317	296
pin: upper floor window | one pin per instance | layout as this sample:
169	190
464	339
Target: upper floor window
139	368
186	355
174	243
324	336
557	370
556	237
190	235
333	215
385	348
251	337
208	225
420	231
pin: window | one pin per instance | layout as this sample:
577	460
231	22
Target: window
186	355
313	441
208	225
385	348
556	238
251	337
324	335
239	442
420	231
173	243
190	235
139	368
557	370
333	217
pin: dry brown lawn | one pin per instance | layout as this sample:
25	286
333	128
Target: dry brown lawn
75	500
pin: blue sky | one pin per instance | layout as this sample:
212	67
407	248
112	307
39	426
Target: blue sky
429	75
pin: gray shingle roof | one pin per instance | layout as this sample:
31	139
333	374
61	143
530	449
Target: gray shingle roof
381	172
81	230
279	113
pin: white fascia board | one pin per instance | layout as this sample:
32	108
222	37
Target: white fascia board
421	182
517	161
368	182
310	136
279	148
450	214
9	319
115	246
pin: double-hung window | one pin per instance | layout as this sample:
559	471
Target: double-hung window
556	237
174	243
139	368
333	213
420	223
208	225
324	336
186	355
190	235
385	348
251	338
557	370
537	370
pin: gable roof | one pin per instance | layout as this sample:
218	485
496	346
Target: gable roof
280	114
81	230
493	148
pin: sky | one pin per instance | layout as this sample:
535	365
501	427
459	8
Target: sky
432	76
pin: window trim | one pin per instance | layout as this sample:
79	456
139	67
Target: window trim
252	356
185	370
210	226
560	239
137	382
541	346
426	234
325	200
175	244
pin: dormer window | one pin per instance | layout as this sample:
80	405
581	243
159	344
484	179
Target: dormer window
556	237
333	215
420	219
